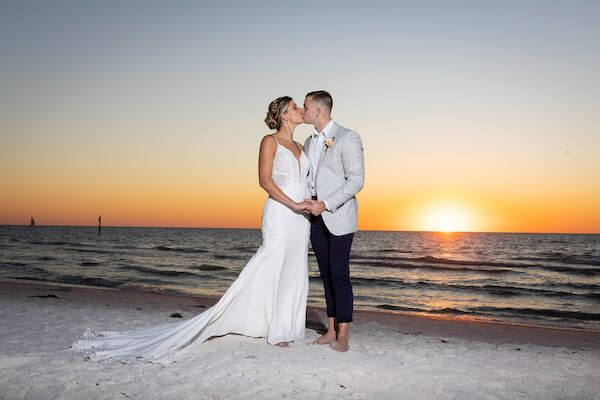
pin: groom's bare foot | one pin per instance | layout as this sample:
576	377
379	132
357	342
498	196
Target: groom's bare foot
283	344
341	344
326	338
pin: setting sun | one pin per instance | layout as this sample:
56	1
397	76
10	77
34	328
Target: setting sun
447	219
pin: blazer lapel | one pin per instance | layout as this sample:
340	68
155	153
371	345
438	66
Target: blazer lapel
332	134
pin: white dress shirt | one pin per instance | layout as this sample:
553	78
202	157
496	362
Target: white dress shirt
314	154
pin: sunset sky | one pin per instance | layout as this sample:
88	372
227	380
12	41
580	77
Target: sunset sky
475	115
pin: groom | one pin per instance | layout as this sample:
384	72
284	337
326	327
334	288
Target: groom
336	175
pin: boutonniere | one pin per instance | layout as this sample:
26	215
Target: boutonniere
329	142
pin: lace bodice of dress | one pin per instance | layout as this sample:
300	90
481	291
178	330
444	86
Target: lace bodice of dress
287	169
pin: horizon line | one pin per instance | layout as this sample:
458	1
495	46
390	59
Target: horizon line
258	228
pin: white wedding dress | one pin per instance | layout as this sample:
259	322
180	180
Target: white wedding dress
268	299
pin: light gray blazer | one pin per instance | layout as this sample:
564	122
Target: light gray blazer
340	176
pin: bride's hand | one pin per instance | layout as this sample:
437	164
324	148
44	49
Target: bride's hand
302	206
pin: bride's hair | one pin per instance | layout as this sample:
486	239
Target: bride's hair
276	108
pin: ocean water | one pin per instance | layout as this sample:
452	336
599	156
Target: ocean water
537	279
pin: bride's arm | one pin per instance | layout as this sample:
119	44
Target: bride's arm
268	147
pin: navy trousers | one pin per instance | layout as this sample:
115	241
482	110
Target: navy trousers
333	257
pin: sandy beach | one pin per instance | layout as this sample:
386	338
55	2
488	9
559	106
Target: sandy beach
392	356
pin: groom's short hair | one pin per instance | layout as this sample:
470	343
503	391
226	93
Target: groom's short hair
323	98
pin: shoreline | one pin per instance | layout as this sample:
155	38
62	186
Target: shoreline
493	332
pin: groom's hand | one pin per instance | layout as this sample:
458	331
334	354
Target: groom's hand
317	207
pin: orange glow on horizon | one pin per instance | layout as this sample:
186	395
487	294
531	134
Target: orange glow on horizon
233	199
447	218
139	206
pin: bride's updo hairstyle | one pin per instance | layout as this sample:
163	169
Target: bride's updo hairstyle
276	108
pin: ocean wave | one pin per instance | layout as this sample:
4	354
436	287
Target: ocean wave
541	312
88	281
30	278
509	291
440	260
209	267
572	285
124	247
95	251
22	267
445	310
111	283
89	263
149	285
153	271
578	259
246	249
577	271
56	243
494	290
438	263
391	251
230	257
12	264
498	311
432	267
146	281
399	308
179	249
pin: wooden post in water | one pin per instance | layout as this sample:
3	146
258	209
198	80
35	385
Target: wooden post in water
99	224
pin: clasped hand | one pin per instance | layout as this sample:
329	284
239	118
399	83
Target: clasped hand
314	207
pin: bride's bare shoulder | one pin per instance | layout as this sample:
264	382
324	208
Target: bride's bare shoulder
268	144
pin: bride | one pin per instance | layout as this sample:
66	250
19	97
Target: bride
268	299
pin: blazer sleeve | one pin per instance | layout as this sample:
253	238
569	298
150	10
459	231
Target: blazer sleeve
354	171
